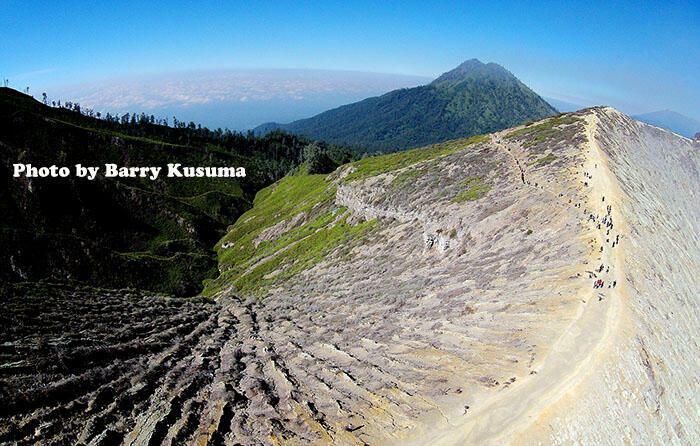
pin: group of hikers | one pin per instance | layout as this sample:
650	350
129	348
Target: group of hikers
607	223
601	283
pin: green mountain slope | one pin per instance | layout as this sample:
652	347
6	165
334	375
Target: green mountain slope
297	221
472	99
117	232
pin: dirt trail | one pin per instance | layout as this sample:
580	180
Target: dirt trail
574	355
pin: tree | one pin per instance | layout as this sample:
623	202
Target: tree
317	159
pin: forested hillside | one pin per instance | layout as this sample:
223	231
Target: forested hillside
136	232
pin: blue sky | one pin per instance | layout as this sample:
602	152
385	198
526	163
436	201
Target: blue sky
637	56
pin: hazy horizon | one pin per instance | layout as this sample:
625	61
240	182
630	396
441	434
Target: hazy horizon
234	99
635	57
243	99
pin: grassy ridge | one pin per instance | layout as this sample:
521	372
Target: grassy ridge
310	226
377	165
295	223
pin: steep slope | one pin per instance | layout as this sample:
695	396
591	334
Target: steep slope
122	231
472	99
644	379
442	295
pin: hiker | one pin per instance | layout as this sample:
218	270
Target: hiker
522	177
614	283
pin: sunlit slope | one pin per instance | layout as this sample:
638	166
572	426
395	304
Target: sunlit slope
404	293
643	386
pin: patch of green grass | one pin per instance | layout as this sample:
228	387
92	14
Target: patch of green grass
473	189
404	177
378	165
304	254
544	160
290	196
321	227
542	131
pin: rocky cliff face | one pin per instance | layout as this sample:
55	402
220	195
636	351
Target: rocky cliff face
533	285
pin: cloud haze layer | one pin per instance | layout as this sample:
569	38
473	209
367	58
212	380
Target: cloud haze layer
234	99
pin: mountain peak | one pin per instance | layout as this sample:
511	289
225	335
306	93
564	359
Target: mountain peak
470	64
472	99
471	69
